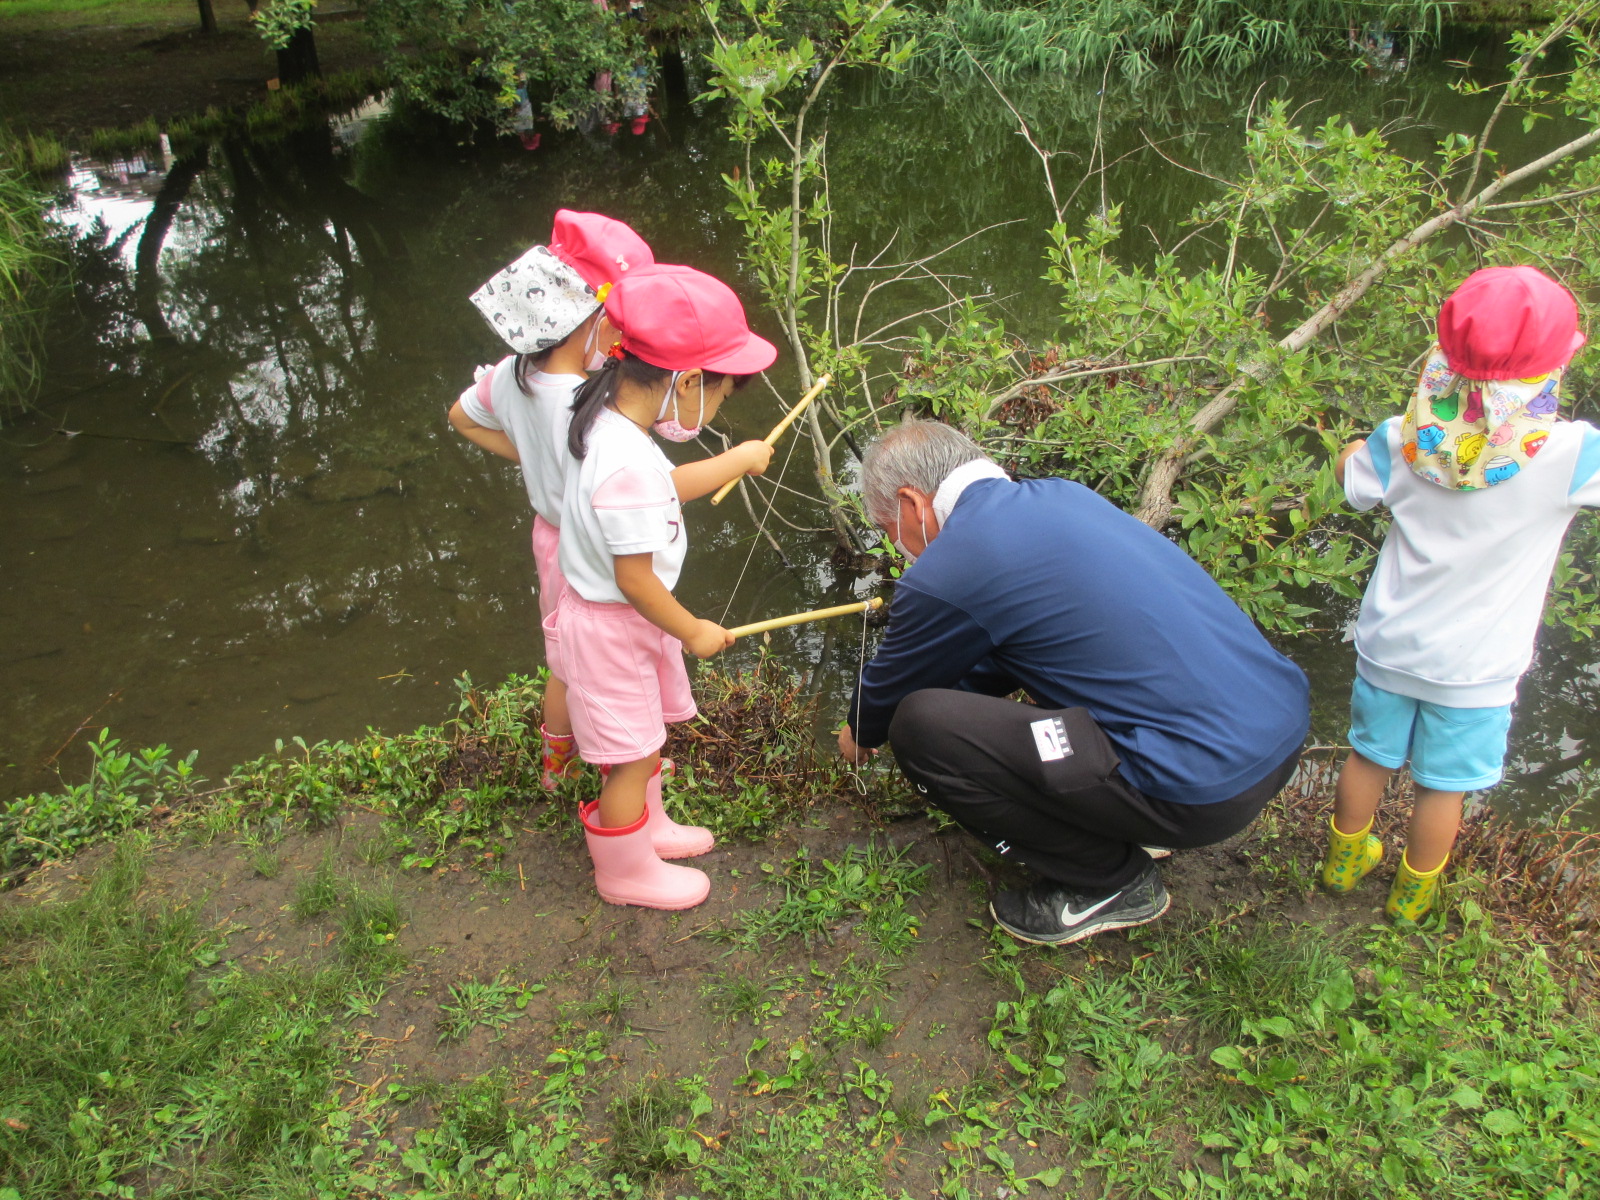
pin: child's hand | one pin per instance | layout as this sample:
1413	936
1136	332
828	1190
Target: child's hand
707	639
756	456
1344	457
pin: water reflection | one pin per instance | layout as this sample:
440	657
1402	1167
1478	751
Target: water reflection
240	516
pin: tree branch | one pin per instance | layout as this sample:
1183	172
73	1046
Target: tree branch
1155	499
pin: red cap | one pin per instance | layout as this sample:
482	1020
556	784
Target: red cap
598	248
1509	323
680	319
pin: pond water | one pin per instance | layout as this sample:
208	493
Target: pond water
239	514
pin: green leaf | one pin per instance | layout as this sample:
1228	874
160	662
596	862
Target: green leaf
1228	1057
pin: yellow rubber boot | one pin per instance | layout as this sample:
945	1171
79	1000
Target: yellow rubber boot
1414	891
1351	857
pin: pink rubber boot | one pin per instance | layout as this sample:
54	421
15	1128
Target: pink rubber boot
627	869
670	839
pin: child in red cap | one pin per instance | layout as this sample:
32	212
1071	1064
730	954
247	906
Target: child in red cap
1481	479
547	307
621	635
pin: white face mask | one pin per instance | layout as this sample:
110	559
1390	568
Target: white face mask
594	357
900	546
670	427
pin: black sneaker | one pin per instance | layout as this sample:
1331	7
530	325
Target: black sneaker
1050	914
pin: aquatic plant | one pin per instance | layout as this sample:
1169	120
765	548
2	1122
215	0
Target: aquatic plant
1135	38
31	271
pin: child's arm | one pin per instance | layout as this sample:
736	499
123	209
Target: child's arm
696	479
1344	457
637	578
492	440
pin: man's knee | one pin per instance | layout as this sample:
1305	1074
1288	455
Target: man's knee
919	721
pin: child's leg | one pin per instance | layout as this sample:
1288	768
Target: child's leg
1435	820
1353	851
1457	750
559	757
1357	794
627	867
622	797
557	722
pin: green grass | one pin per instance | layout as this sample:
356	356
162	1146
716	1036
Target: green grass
66	14
864	892
145	1051
493	1004
32	271
126	1050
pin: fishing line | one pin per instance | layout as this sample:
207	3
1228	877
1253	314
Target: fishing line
861	668
761	527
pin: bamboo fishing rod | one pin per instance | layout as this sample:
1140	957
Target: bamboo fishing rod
841	610
777	431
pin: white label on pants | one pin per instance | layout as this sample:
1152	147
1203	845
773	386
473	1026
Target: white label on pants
1050	735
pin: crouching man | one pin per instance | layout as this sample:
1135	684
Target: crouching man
1161	716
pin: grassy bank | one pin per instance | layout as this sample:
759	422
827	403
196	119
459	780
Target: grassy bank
378	967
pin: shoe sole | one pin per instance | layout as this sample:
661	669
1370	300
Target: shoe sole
1080	934
672	853
654	903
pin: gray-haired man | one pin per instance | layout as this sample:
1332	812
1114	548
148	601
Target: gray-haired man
1161	716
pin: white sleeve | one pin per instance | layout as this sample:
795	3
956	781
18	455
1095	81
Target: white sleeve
1584	491
638	510
478	400
1366	472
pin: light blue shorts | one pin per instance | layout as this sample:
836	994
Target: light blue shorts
1450	749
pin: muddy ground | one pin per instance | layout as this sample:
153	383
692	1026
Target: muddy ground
547	926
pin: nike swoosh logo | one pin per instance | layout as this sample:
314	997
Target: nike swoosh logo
1070	920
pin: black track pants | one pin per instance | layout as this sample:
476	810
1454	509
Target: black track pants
1003	770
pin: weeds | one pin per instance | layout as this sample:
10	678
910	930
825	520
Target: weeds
317	893
863	893
494	1005
650	1128
125	1049
368	931
1133	37
124	788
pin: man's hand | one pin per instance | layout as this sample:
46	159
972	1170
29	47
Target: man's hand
708	638
756	457
849	751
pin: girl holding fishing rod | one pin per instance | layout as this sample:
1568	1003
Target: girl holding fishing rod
546	306
620	635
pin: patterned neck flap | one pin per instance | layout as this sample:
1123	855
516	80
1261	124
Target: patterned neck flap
535	302
1465	434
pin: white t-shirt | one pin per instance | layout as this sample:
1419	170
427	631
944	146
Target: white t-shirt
1453	606
536	425
619	500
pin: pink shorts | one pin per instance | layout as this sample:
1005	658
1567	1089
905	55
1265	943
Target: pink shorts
625	679
547	562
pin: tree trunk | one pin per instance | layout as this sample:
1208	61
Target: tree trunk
297	61
147	257
208	17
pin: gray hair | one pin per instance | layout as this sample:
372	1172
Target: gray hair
915	454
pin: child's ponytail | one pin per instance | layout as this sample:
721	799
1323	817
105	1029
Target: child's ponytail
600	389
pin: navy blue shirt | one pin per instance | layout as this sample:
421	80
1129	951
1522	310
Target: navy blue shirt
1045	586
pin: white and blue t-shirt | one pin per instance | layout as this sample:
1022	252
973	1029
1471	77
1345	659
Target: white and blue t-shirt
1453	605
